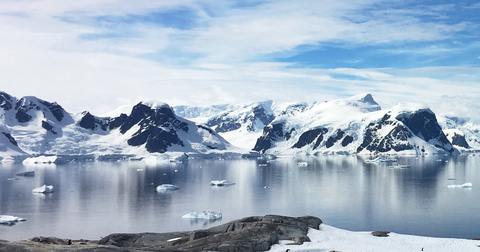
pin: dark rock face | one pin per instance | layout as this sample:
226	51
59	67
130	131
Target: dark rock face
5	101
271	133
48	127
347	140
309	136
422	124
26	104
158	128
460	141
92	122
10	138
226	122
248	234
22	116
333	139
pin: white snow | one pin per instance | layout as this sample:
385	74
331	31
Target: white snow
329	238
208	215
221	183
43	189
167	187
466	185
10	220
40	160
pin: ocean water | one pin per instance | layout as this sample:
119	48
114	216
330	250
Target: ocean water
94	199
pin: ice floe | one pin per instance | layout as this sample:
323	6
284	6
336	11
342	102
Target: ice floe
167	187
43	189
40	160
207	215
221	183
381	160
9	220
466	185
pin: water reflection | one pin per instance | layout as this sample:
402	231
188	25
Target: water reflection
94	199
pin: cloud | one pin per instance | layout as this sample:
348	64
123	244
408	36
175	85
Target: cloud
96	54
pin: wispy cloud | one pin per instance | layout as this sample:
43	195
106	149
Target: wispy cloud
200	52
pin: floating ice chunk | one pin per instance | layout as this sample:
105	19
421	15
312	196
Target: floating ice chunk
381	160
10	220
302	164
43	189
26	173
466	185
167	187
40	160
221	183
207	215
404	166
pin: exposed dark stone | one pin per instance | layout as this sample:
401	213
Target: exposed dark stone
347	140
459	140
248	234
207	129
270	134
373	142
92	122
46	125
56	109
309	136
117	121
22	116
333	139
289	134
5	101
226	123
380	233
10	138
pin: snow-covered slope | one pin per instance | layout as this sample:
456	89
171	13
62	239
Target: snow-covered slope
242	125
355	125
33	126
461	132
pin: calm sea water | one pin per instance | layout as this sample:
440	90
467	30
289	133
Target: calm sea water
94	199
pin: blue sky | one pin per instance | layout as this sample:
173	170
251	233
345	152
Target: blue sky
99	54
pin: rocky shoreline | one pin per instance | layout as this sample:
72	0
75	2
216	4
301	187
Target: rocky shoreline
256	233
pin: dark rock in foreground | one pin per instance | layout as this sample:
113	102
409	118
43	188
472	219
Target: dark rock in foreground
248	234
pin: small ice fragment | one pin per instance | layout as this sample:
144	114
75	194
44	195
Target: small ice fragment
207	215
9	220
43	189
166	187
302	164
221	183
466	185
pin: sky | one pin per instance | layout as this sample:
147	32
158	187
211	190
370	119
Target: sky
97	55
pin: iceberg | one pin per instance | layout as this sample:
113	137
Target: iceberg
466	185
43	189
221	183
166	187
40	160
9	220
207	215
302	164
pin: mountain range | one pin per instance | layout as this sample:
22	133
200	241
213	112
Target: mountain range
30	126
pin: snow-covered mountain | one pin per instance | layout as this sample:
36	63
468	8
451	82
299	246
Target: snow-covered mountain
243	125
33	126
355	125
461	132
